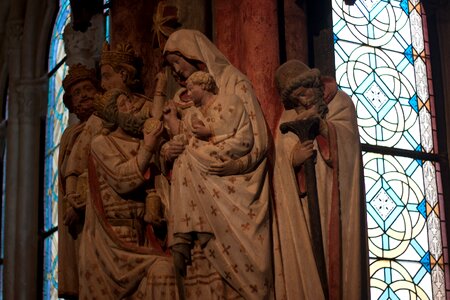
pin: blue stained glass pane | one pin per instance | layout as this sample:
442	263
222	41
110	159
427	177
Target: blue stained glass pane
50	290
426	261
57	118
107	33
414	104
395	190
404	6
422	208
400	228
384	86
409	54
57	52
399	280
375	23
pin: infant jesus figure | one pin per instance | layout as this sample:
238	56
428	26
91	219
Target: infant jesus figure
216	129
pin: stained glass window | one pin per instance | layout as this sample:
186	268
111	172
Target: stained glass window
106	12
382	61
57	118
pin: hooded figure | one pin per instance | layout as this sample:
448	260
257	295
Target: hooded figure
306	94
233	238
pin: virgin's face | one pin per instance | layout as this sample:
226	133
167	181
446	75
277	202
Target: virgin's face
111	79
182	68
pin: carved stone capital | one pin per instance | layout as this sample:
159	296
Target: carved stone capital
14	33
30	95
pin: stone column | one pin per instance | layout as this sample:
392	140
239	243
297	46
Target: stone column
246	32
30	95
27	90
14	35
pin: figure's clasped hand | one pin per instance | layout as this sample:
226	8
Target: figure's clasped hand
201	131
307	113
71	216
172	149
301	152
310	113
230	167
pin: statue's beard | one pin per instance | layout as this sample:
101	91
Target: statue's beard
131	124
317	101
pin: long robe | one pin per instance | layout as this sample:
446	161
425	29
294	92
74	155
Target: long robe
119	256
72	161
338	177
67	245
239	204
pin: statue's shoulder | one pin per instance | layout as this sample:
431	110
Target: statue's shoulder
98	142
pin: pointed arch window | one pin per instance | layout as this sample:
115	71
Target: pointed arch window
57	119
382	61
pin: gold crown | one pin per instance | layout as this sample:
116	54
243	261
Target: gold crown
123	54
77	73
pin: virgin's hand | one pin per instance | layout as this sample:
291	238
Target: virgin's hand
201	131
172	149
230	167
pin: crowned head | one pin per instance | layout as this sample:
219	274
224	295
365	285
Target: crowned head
77	73
121	61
